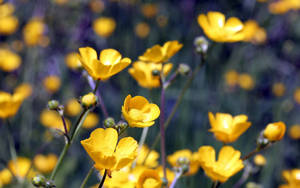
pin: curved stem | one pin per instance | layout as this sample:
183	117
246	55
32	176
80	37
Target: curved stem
162	131
103	179
87	177
255	151
65	127
141	143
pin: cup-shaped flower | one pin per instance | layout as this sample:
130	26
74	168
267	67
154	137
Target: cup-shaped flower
161	54
217	29
102	147
10	104
149	179
275	131
109	63
89	100
152	157
138	112
292	177
143	73
227	165
226	128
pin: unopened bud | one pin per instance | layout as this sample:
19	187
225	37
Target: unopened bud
262	142
122	125
53	105
201	45
49	184
184	69
38	181
89	100
109	122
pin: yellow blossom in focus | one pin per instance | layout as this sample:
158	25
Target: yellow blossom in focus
9	61
104	26
8	22
90	121
149	179
102	147
294	132
89	99
161	54
246	81
292	177
149	10
138	112
110	62
5	177
191	158
297	95
152	159
253	33
73	108
231	78
275	131
72	61
52	119
33	32
142	72
52	83
45	163
217	29
10	104
278	89
226	128
283	6
24	89
97	6
227	165
20	167
259	160
142	29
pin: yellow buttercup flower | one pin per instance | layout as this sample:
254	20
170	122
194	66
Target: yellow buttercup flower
73	108
89	99
187	156
5	177
90	121
33	32
227	165
294	132
10	104
96	6
104	26
152	159
142	72
52	83
149	10
72	61
161	54
226	128
246	81
278	89
231	78
109	63
215	27
142	30
9	61
45	163
253	33
21	167
275	131
24	89
283	6
292	177
149	179
260	160
138	112
52	119
297	95
102	147
8	22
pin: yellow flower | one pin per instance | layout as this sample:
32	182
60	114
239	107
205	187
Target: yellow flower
246	81
20	167
10	104
120	179
33	32
161	54
138	112
90	121
9	61
142	30
96	6
73	108
52	83
278	89
104	26
215	27
109	64
149	10
89	99
45	163
253	33
5	177
102	147
149	179
60	2
142	72
231	78
226	128
283	6
24	89
151	160
297	95
227	165
191	159
52	119
275	131
260	160
72	61
294	132
292	177
8	22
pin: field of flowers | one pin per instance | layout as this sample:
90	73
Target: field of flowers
149	94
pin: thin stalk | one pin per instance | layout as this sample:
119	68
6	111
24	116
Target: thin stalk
215	184
60	160
177	176
103	179
96	86
65	127
171	79
256	150
141	143
87	177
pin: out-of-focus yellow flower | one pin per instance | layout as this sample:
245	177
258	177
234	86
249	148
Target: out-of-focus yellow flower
297	95
20	167
104	26
142	29
227	165
89	99
149	10
90	121
52	83
9	61
122	178
294	132
191	159
253	33
33	32
226	128
215	27
60	2
5	177
231	78
138	112
259	160
102	147
72	61
73	108
142	72
262	1
161	54
10	104
246	81
292	177
52	119
110	62
275	131
97	6
45	163
151	160
149	179
278	89
8	22
24	89
283	6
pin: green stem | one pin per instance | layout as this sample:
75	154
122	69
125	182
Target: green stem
87	177
141	143
103	179
215	184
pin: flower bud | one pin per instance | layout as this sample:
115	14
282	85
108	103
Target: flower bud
53	105
38	181
89	100
49	184
201	45
184	69
274	131
261	142
155	72
109	122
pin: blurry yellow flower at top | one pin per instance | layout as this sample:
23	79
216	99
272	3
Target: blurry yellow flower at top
149	179
8	22
52	83
161	54
226	128
97	6
10	104
278	89
5	177
188	157
9	61
227	165
292	177
283	6
142	72
45	163
253	33
149	10
297	95
259	160
52	119
60	2
33	32
72	61
104	26
24	89
142	30
294	132
110	62
231	78
275	131
20	167
138	112
73	108
217	29
246	81
152	159
90	121
107	154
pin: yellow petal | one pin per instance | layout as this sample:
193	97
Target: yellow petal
216	19
110	56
